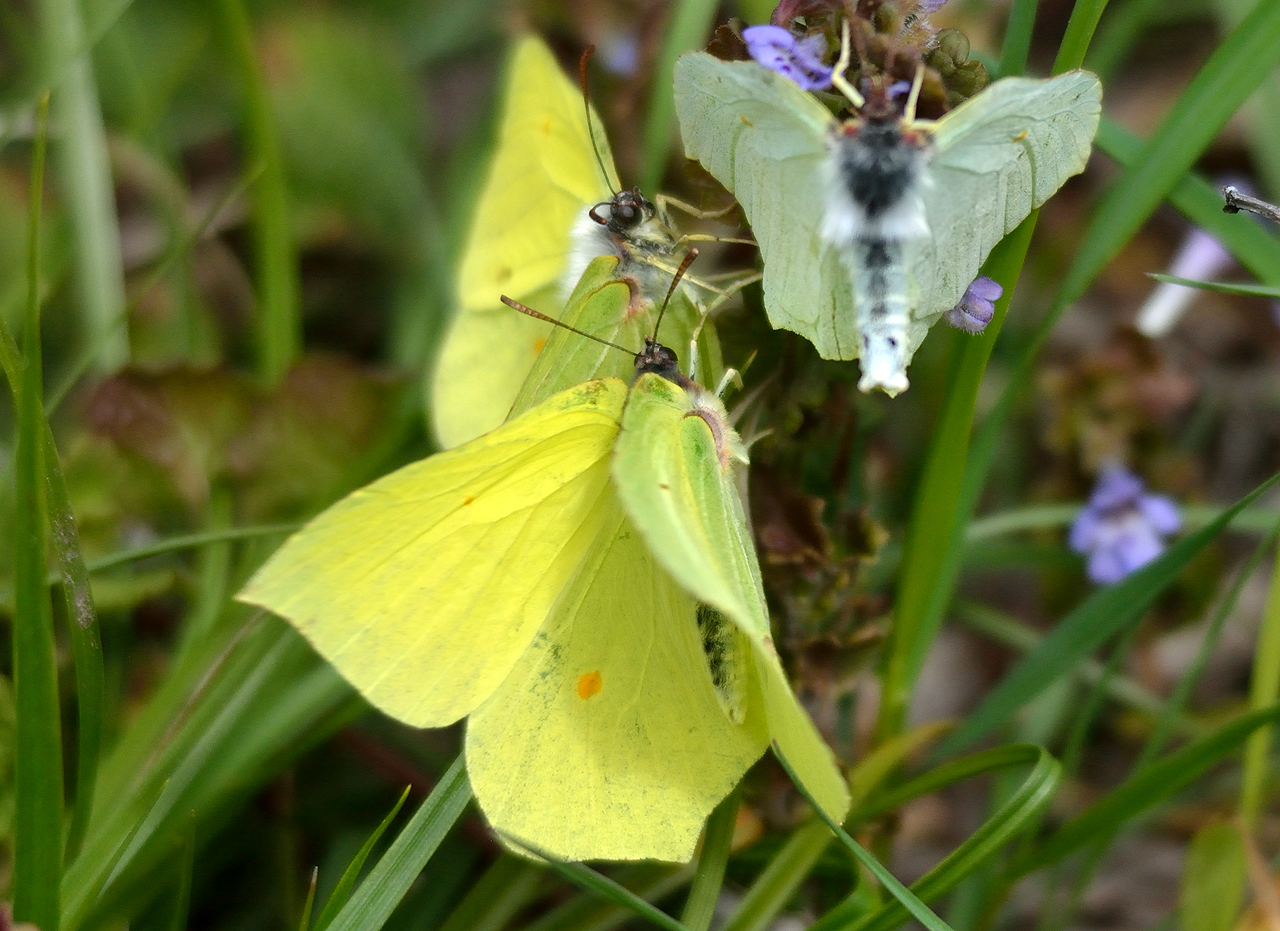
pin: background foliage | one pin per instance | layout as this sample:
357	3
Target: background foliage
219	302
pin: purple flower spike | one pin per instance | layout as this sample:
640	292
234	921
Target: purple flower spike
976	307
925	7
799	59
1122	528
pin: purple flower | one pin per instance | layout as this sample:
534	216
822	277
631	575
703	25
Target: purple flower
1201	258
976	307
925	7
1122	528
799	59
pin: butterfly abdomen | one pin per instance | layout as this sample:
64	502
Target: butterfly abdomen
726	659
876	173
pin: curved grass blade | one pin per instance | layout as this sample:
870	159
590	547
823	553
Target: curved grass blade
377	897
1018	813
713	859
1017	38
777	884
505	888
1144	790
1053	516
1107	612
1222	287
342	891
910	903
652	882
37	857
1080	28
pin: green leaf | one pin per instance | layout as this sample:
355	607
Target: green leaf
1222	287
713	858
1102	615
342	891
37	857
1144	790
1212	879
911	905
386	884
691	20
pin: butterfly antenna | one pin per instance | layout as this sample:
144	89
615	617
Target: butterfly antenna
675	280
586	105
525	309
842	65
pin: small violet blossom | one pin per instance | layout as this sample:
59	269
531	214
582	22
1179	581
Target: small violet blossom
1122	528
798	59
976	307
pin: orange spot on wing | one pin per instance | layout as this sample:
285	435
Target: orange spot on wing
590	684
468	500
747	121
546	126
538	344
502	275
1022	135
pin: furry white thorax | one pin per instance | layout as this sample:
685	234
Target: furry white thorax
588	240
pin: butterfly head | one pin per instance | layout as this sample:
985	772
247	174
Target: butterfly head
625	212
660	360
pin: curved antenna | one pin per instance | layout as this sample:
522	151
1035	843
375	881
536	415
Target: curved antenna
525	309
842	65
586	105
675	280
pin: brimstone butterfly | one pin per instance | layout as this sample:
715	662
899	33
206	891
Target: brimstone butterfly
871	229
550	204
582	584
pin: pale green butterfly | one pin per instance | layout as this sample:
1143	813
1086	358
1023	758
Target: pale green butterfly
581	584
871	229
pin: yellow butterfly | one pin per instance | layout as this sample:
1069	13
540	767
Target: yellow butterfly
581	583
547	209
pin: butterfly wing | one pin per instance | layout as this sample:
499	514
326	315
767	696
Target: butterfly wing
424	588
998	156
607	740
542	175
610	309
763	138
673	469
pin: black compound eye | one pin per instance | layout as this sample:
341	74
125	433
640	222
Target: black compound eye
625	214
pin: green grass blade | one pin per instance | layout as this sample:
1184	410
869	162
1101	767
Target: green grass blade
182	901
1017	38
1222	287
1050	516
384	887
1107	612
84	169
37	828
1190	678
505	888
1144	790
1201	203
691	20
910	903
610	891
1212	879
1264	689
86	644
188	542
304	922
932	551
342	891
777	884
649	881
1080	28
712	861
1219	88
878	765
279	324
1019	813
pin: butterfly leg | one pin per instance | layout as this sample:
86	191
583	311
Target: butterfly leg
666	200
909	115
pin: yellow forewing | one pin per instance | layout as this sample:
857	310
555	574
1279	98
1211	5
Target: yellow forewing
424	588
607	740
543	172
673	469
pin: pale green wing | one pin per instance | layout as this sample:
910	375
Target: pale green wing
424	588
764	139
673	469
608	308
607	740
998	156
